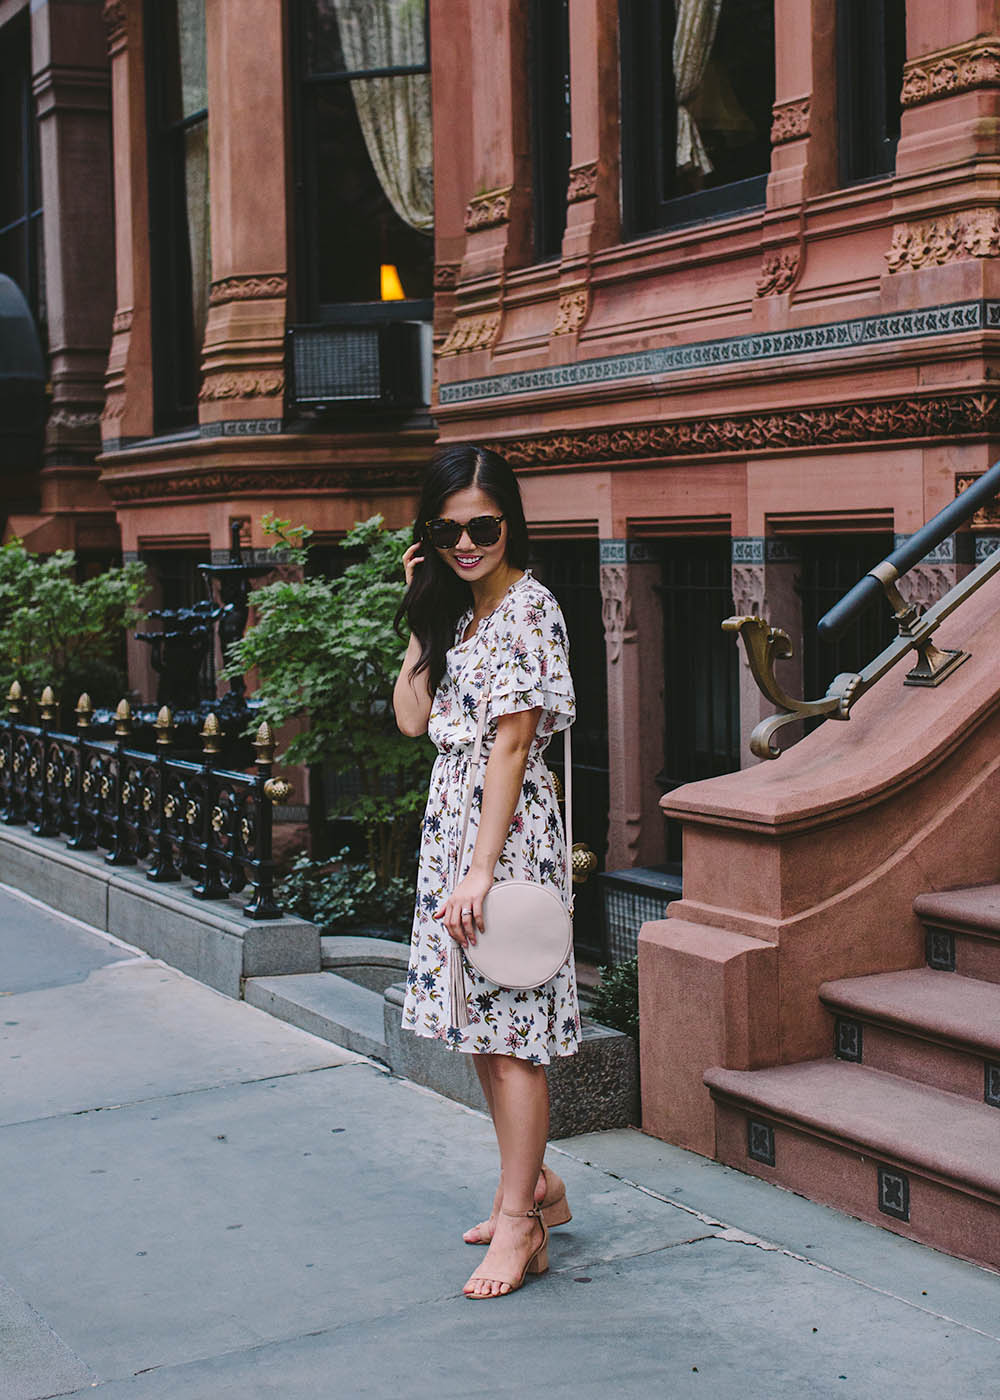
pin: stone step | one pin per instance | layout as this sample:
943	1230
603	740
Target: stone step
908	1157
933	1027
963	930
375	963
326	1005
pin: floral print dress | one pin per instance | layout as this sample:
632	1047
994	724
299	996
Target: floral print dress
519	655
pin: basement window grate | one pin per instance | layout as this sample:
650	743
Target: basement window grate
893	1193
848	1040
940	950
992	1093
760	1142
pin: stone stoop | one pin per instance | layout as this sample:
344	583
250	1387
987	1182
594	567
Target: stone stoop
902	1126
594	1090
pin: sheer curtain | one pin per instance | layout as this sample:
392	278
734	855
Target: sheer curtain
694	34
394	113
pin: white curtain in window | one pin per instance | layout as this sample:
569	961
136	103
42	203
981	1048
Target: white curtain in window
394	113
694	34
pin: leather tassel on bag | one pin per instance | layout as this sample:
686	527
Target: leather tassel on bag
459	997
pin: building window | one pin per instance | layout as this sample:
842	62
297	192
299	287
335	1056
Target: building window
550	123
697	91
180	248
20	190
871	48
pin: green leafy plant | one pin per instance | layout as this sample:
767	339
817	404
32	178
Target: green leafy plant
58	631
615	1003
345	893
328	654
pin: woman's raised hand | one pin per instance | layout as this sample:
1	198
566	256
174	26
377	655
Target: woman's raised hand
462	911
411	558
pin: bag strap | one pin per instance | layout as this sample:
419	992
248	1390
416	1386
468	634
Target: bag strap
567	795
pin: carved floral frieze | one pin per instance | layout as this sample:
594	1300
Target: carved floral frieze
778	271
488	210
790	121
938	416
242	384
987	517
472	333
582	183
238	481
573	307
255	287
974	233
949	71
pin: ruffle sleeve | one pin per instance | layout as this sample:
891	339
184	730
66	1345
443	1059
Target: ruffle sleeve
530	660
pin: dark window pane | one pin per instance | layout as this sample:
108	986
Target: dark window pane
349	36
550	124
698	89
871	48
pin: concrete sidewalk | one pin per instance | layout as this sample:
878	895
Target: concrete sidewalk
199	1202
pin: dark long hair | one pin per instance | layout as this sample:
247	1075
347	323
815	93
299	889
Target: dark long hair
437	597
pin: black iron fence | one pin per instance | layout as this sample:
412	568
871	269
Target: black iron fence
177	817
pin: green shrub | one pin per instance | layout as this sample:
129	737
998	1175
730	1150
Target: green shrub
616	1001
345	894
57	631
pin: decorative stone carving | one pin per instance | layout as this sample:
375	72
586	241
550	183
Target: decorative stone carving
748	590
74	419
573	308
246	384
124	489
924	584
790	121
950	238
446	276
778	271
987	517
972	65
616	608
115	21
472	333
122	321
487	210
114	407
943	416
582	183
250	288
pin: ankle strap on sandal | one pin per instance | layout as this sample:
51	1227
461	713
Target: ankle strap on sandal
536	1210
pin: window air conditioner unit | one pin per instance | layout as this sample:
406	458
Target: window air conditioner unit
382	364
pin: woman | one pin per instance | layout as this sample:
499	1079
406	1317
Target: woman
480	623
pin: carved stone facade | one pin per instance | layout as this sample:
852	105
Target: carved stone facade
778	272
925	584
250	288
249	384
582	183
446	276
790	121
949	238
749	597
472	333
949	71
488	210
616	609
573	307
115	21
122	322
220	483
941	416
988	518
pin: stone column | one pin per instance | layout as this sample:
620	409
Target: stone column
72	95
243	355
765	571
630	607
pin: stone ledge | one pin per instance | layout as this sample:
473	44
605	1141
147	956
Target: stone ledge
212	941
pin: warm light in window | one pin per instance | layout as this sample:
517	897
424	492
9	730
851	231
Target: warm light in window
392	287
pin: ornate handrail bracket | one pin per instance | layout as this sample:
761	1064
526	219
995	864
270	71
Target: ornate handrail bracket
765	645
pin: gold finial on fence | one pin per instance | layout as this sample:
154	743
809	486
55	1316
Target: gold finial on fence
15	699
123	719
47	705
211	735
84	711
277	789
265	743
164	726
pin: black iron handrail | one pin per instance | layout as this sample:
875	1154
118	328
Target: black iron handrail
928	537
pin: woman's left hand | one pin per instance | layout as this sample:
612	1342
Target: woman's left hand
468	896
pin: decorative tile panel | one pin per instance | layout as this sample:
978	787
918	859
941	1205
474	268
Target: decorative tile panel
893	1193
940	949
760	1142
848	1040
857	333
748	550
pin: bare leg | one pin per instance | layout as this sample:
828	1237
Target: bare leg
521	1121
483	1232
